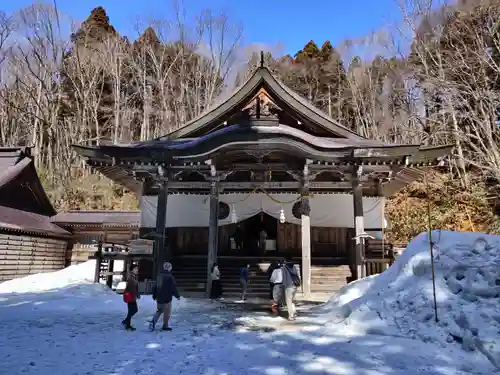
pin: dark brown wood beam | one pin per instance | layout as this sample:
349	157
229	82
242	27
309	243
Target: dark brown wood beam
288	185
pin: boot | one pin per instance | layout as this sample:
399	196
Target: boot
164	328
130	328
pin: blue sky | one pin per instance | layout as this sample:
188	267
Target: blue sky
290	23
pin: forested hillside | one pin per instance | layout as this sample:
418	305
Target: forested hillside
96	85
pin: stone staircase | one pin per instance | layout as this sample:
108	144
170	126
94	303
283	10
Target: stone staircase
190	273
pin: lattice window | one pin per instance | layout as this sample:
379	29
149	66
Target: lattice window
87	240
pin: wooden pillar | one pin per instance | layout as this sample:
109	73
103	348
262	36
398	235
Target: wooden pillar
305	221
126	265
359	224
159	255
213	231
98	262
111	268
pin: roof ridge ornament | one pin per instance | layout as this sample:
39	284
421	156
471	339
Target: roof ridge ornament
262	111
261	58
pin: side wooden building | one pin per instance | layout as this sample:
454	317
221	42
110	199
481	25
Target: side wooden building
29	242
89	228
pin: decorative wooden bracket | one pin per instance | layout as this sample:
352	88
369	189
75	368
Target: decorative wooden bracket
259	155
214	174
297	176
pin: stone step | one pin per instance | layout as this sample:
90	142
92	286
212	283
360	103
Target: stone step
328	282
224	281
330	276
229	269
223	275
191	278
259	288
255	266
263	280
333	271
233	296
224	284
258	274
226	291
223	272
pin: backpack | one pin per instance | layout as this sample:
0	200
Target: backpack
294	276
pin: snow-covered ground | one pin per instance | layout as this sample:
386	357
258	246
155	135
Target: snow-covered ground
399	303
62	323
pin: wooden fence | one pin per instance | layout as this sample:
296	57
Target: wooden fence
25	255
87	237
380	255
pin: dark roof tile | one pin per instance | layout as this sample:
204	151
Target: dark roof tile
29	223
112	218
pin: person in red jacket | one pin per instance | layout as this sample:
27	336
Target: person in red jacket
130	296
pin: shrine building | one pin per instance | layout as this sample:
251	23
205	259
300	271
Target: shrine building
264	159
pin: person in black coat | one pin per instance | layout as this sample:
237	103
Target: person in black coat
163	292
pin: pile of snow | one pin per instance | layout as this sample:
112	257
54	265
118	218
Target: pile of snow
73	275
399	302
80	274
74	283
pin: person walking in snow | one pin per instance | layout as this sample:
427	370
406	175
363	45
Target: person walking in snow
277	282
163	292
130	296
291	281
275	264
216	289
244	281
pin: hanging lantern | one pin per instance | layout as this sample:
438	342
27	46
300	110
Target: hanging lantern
234	218
282	216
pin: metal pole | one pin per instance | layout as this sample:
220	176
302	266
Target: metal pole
431	247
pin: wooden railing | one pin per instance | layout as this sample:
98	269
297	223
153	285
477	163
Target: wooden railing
379	255
376	266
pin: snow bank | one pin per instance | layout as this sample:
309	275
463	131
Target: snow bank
82	273
77	284
79	274
399	302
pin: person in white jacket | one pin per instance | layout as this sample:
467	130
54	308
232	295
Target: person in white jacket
216	289
278	292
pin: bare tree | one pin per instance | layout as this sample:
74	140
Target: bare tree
35	63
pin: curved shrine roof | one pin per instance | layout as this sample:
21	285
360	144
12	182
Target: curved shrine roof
261	116
281	136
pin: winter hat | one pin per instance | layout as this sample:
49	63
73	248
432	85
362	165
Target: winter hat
167	266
